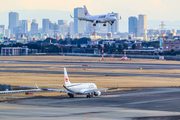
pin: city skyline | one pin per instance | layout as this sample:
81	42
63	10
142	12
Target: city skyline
33	10
153	8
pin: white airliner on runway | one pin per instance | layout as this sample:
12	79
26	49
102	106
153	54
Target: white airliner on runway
72	89
110	18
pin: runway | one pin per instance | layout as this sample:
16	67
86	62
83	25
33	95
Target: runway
142	104
99	64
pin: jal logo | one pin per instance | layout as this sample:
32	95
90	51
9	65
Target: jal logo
86	12
66	79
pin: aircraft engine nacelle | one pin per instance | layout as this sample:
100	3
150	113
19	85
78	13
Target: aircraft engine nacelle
96	21
97	93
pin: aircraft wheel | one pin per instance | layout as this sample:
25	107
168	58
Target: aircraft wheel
94	24
104	25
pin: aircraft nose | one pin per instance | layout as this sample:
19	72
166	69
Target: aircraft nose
115	18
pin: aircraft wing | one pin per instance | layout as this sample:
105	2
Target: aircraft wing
20	91
48	89
104	89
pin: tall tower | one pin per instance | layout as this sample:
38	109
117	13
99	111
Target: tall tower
45	26
13	20
132	25
142	25
26	26
79	26
34	27
71	27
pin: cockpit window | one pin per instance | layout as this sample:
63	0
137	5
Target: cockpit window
111	15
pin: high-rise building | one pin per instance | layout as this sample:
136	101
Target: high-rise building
79	26
26	26
34	27
115	27
34	21
142	25
2	29
133	25
45	26
62	22
64	29
13	20
7	33
71	27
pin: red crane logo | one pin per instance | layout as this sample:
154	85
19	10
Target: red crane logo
86	12
66	79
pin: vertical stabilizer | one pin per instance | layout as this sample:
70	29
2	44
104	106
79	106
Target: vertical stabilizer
66	79
86	11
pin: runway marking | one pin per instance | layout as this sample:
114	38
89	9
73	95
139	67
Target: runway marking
150	101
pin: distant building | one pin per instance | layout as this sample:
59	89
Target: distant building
45	26
115	27
71	27
5	87
14	51
64	29
2	29
26	26
86	50
13	20
22	40
142	25
34	27
170	44
62	22
79	26
132	25
34	21
18	31
7	33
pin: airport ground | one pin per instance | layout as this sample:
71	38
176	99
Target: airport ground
148	93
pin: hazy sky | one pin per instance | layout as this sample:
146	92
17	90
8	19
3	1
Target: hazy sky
167	10
158	10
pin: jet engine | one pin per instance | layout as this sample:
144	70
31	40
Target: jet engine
96	21
97	93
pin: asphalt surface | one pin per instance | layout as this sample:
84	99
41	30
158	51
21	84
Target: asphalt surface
138	104
123	65
141	104
92	73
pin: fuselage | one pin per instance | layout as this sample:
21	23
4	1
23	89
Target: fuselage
79	88
102	18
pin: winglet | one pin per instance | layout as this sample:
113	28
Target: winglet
36	86
71	16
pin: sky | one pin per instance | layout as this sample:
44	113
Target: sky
161	10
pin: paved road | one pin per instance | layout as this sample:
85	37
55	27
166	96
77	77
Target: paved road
144	104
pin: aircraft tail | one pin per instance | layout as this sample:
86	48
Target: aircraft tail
86	11
66	79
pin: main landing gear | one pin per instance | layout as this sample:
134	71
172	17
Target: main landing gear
94	24
71	95
104	24
89	95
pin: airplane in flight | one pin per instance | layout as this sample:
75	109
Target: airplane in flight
89	89
110	18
